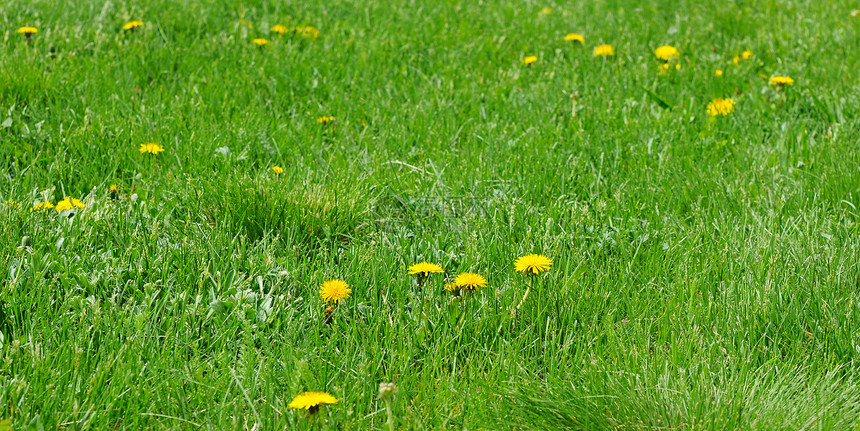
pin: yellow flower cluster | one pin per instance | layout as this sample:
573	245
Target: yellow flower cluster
42	206
604	51
721	106
746	55
325	120
150	148
574	37
69	203
27	31
781	81
667	53
132	25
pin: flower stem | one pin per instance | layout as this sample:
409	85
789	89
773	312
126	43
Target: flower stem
526	295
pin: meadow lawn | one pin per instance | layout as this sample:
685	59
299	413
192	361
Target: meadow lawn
704	259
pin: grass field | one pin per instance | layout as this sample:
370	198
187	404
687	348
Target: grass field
704	268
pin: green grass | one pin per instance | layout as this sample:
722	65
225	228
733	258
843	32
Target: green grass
705	270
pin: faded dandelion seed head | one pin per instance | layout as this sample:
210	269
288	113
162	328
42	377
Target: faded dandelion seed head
386	390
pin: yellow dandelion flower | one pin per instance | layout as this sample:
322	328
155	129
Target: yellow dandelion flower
529	60
309	32
63	206
667	53
311	401
69	203
278	170
425	269
604	51
736	60
664	68
574	37
132	25
113	188
545	11
746	55
718	72
27	31
260	42
280	29
781	81
451	287
151	148
325	120
39	206
532	264
468	280
333	291
720	106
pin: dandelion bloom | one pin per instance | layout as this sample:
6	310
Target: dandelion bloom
604	51
69	203
451	287
311	401
718	72
132	25
309	32
529	60
113	188
533	264
278	170
781	80
27	31
42	206
545	11
151	148
425	269
260	41
325	120
280	29
574	37
333	291
746	55
667	53
721	106
736	60
468	280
